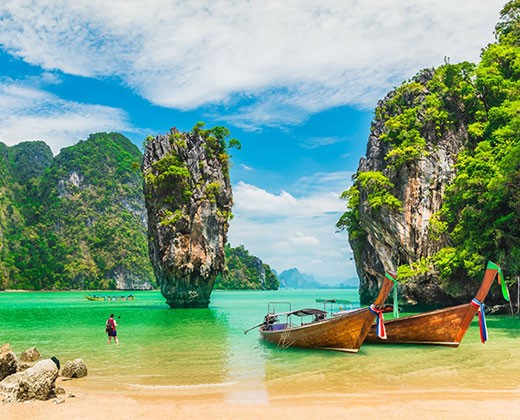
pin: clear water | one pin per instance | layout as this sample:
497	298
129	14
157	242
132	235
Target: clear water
189	351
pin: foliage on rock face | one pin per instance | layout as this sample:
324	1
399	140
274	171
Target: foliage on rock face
81	218
378	190
245	271
480	211
170	177
482	204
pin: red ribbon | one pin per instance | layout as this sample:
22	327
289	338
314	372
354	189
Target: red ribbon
380	324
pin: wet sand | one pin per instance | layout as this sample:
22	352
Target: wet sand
424	404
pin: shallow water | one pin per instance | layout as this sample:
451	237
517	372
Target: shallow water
204	351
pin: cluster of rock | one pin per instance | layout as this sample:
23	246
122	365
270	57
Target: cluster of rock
32	378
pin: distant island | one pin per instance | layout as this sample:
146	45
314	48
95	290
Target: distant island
294	279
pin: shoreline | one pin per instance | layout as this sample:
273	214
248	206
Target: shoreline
159	404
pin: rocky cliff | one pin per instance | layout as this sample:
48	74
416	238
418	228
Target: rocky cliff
397	233
74	221
188	199
436	196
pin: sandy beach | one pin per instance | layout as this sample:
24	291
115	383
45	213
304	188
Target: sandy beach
423	404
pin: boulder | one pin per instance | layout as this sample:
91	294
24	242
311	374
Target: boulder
36	383
8	361
30	355
75	369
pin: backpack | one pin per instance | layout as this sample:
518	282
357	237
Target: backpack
110	325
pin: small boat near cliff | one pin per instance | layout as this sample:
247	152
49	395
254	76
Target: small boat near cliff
442	327
109	298
342	331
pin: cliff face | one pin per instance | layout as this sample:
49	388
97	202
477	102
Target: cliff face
76	221
398	236
188	199
437	195
19	165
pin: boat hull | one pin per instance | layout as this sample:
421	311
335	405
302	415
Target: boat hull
341	333
443	327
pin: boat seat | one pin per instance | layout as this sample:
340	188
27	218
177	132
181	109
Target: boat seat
278	327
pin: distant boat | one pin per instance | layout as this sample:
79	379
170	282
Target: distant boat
442	327
109	298
342	331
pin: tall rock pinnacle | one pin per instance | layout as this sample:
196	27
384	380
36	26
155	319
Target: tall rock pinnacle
188	198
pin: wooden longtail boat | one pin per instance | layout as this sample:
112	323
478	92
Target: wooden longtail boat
108	298
442	327
343	331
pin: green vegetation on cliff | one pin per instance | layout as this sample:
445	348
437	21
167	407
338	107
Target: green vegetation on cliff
81	217
480	212
245	271
482	206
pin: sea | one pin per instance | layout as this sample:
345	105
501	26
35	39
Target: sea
194	352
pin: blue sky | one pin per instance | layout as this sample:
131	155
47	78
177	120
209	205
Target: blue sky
296	81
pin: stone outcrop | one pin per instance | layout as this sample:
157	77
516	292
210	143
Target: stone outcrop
36	383
74	369
30	355
188	199
8	361
393	238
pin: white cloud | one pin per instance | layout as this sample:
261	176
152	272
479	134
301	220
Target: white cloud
286	59
316	142
286	231
30	113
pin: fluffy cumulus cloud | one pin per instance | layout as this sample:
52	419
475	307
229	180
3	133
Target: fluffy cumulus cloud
280	60
289	231
27	112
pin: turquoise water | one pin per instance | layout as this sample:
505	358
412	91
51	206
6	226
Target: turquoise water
205	350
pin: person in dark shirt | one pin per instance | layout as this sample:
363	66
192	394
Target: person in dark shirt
111	329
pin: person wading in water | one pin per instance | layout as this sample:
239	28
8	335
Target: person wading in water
111	329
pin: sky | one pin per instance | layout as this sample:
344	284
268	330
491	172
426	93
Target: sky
296	81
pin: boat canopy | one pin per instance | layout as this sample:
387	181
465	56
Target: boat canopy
301	312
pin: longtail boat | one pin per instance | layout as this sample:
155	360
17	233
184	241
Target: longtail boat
442	327
109	298
341	331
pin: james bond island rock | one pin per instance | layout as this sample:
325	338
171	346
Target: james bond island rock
188	199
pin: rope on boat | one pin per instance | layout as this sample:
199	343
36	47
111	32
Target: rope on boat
481	319
505	292
380	322
396	302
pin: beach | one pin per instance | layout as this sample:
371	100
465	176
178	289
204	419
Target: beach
198	363
423	404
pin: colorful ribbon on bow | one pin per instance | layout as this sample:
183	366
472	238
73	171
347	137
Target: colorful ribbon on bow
481	319
380	324
501	279
396	303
